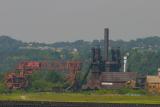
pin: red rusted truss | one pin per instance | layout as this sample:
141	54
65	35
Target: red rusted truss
73	68
15	81
18	80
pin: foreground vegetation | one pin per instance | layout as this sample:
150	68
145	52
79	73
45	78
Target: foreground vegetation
81	97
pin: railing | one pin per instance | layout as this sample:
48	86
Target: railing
65	104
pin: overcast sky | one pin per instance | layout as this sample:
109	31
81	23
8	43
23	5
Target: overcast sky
69	20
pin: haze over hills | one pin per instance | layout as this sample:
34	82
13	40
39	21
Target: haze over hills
144	53
9	44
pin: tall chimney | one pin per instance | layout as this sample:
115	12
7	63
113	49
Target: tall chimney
106	43
125	64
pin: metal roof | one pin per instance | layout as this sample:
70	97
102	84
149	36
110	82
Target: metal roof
153	79
118	76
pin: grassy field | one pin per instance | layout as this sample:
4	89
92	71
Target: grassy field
79	97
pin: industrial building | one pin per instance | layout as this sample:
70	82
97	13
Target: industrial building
105	73
14	80
153	83
118	79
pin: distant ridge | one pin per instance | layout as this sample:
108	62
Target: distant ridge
144	52
9	44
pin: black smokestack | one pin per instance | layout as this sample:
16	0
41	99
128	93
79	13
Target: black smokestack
106	43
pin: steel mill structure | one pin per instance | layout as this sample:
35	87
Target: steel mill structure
18	80
105	72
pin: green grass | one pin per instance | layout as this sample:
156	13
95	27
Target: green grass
80	97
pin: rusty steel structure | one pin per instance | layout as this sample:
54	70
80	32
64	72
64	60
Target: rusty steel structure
15	80
73	67
28	67
18	80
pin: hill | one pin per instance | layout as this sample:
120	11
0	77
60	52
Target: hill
9	44
144	52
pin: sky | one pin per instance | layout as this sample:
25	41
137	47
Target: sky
51	21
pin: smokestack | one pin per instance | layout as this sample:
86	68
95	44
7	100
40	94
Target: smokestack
159	72
125	63
106	43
